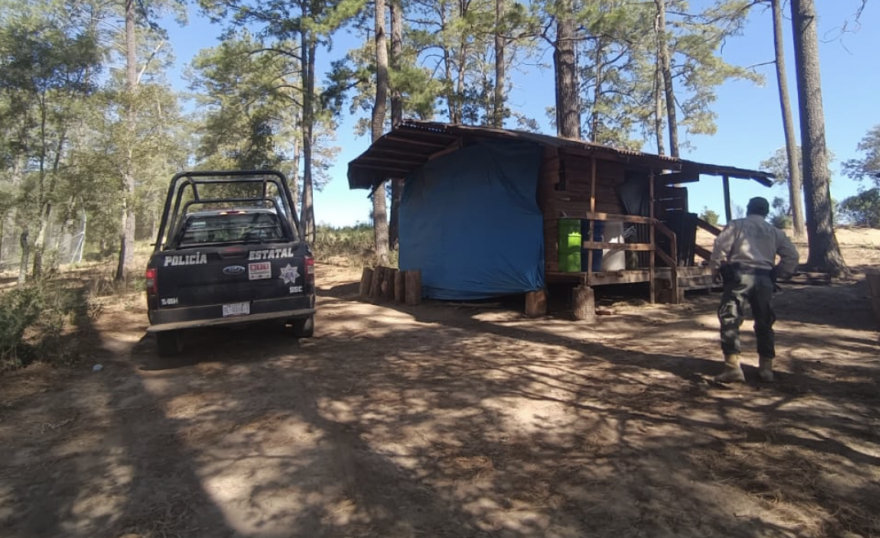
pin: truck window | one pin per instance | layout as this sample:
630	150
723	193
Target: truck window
231	227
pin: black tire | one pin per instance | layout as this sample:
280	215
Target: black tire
303	328
168	343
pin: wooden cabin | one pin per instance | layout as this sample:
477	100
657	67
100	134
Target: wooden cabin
605	215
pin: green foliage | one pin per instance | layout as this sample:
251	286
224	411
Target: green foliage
251	102
710	216
33	320
777	164
615	48
868	167
781	215
862	209
696	43
347	245
453	42
355	74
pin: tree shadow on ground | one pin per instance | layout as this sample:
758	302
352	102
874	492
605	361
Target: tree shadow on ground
583	440
434	421
101	458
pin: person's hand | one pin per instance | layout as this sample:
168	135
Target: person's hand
716	276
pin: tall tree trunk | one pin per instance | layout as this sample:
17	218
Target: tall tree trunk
126	236
308	209
568	116
794	169
663	53
658	106
43	205
500	76
380	217
451	102
459	81
294	175
396	118
40	241
824	250
597	94
47	193
25	255
156	217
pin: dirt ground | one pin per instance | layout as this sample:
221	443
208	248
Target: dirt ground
454	420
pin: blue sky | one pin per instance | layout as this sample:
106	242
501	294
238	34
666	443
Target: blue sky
749	121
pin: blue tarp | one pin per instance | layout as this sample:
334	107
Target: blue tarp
470	221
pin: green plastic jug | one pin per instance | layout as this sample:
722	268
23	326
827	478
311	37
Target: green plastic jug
570	245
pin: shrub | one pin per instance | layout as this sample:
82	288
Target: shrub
781	221
33	319
709	216
781	216
20	308
862	209
348	245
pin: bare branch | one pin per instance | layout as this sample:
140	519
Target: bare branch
147	63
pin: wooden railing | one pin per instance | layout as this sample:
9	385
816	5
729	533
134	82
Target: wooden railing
714	230
669	259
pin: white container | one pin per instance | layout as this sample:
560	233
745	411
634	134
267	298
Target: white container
613	260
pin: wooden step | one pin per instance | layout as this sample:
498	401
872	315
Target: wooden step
699	282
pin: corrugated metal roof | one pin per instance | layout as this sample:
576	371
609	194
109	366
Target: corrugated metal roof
413	143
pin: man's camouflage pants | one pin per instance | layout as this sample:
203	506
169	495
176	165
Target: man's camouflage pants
757	290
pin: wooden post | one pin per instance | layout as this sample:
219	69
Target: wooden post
413	287
727	209
668	293
399	287
873	280
677	293
536	303
584	303
388	284
651	232
592	222
376	286
366	282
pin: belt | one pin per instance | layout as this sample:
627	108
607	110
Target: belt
756	271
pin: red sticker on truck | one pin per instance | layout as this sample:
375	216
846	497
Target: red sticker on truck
259	271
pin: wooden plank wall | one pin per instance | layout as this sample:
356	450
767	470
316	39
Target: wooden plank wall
547	182
565	186
669	199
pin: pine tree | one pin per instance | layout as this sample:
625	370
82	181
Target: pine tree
824	252
794	169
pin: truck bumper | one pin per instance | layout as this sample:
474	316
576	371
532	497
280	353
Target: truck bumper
211	315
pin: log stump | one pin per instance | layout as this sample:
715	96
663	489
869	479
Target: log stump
399	286
366	282
413	287
388	284
583	300
376	286
536	303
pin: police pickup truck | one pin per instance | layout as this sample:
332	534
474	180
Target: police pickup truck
229	251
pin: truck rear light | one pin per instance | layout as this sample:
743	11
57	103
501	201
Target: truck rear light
152	283
310	269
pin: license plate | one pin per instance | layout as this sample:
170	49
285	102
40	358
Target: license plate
236	309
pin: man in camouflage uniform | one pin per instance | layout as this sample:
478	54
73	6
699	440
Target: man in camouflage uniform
744	256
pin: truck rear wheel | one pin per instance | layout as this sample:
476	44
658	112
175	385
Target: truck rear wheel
168	343
303	328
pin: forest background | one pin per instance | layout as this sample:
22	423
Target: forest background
102	102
